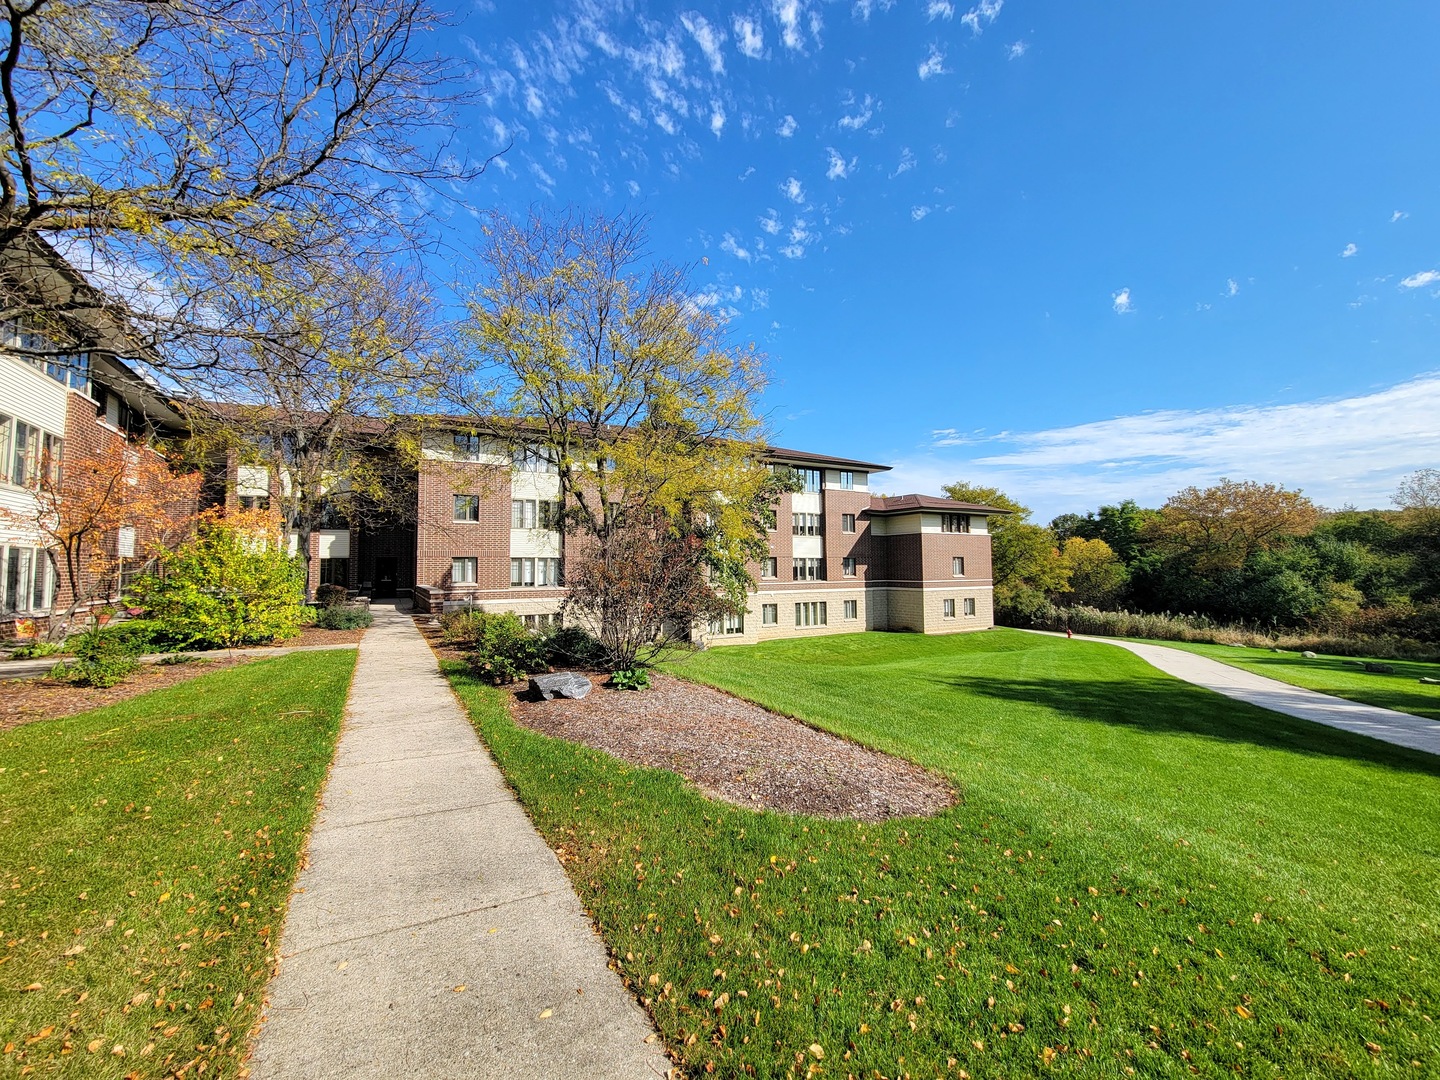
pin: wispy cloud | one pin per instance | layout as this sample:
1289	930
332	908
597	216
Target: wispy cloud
717	118
1018	49
632	187
793	251
1397	216
984	12
838	168
1347	450
787	14
919	213
1350	250
864	110
1121	301
786	127
710	39
771	222
732	246
1232	287
939	9
793	190
907	162
933	64
1422	279
749	37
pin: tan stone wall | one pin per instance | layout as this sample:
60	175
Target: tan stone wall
785	601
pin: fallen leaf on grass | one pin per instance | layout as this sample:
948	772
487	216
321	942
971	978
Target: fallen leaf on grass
1243	1012
94	1044
32	988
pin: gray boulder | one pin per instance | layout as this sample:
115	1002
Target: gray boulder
1429	681
562	684
1308	655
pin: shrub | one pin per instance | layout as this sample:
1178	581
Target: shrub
630	679
503	650
34	650
139	635
344	617
462	628
101	659
224	588
327	596
567	646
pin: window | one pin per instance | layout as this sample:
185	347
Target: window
27	580
534	573
847	567
7	431
957	566
538	622
769	614
531	459
27	454
467	447
969	605
467	507
731	624
769	567
522	514
254	502
947	608
809	569
806	525
852	609
69	369
334	571
847	481
847	523
812	614
462	571
955	523
809	479
53	450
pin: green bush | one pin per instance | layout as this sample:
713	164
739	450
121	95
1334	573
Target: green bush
223	589
344	617
101	659
36	649
139	635
330	596
570	646
462	628
630	679
504	650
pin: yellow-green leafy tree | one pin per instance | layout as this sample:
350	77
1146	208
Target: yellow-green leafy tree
1027	566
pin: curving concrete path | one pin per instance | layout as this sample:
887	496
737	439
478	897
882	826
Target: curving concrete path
433	933
1387	725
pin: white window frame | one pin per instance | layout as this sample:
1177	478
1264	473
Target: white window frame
955	523
810	613
769	568
469	502
847	480
947	609
464	569
957	566
847	523
807	569
769	614
848	566
969	607
729	626
852	609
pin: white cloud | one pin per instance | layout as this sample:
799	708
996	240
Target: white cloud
839	168
534	103
1398	215
854	121
1346	450
933	64
793	190
666	123
918	213
543	178
749	37
732	246
939	9
787	14
800	232
1350	249
1420	280
633	187
1231	286
717	118
986	11
793	251
707	37
716	295
770	222
786	127
907	162
1018	49
1122	303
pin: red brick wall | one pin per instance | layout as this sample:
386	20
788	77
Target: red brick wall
439	538
916	557
840	545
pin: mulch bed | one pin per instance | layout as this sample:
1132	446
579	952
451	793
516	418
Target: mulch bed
23	701
313	635
737	751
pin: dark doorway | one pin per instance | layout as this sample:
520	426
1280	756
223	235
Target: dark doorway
385	570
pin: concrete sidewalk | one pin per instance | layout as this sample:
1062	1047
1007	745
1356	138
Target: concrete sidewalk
1402	729
434	934
33	669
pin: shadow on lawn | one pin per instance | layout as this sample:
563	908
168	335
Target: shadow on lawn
1167	705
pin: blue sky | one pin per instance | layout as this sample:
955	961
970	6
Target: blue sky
1082	251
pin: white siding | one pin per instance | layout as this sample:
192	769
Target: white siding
334	543
252	480
442	448
31	396
540	543
808	547
805	502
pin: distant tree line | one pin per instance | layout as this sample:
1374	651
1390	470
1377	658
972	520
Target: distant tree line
1238	552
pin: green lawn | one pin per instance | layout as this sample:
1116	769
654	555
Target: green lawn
1142	876
1338	675
146	855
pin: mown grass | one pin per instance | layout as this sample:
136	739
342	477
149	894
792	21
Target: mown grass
1338	675
1142	876
146	855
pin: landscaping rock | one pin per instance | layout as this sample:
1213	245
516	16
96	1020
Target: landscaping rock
1379	669
1308	655
1429	681
563	684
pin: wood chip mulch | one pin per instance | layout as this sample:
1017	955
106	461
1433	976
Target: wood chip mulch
737	751
23	701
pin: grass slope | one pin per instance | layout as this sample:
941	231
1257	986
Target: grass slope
146	855
1338	675
1142	876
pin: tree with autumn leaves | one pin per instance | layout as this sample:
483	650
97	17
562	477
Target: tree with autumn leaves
103	514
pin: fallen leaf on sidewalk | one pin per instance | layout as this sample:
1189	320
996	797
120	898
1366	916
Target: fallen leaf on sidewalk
547	1014
459	989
